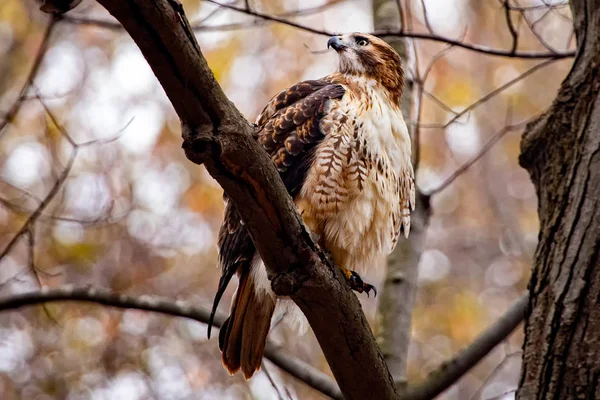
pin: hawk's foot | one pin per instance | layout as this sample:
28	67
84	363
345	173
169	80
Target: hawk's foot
356	283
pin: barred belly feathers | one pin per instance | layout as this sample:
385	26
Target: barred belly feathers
344	154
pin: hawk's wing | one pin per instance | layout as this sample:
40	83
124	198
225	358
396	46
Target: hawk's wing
289	130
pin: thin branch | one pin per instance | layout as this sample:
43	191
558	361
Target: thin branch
538	7
492	94
437	101
38	211
401	15
449	372
486	147
271	380
403	33
31	253
476	47
510	25
538	36
14	109
282	359
426	18
494	373
27	226
302	371
418	98
103	220
200	26
384	33
502	395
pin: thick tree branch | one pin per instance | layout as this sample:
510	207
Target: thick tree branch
450	371
216	134
287	362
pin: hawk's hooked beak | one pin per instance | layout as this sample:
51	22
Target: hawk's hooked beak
336	43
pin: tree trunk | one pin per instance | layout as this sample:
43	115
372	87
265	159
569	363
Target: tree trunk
561	358
400	284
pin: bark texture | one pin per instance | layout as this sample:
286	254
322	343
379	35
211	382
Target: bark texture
561	151
217	135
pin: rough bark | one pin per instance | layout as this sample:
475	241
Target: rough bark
561	151
400	284
216	134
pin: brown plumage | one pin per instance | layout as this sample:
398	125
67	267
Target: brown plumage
343	152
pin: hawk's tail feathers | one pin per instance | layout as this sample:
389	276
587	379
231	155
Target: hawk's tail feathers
243	335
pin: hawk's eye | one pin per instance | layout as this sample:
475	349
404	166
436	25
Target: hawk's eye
362	42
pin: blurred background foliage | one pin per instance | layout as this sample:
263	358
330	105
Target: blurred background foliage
135	216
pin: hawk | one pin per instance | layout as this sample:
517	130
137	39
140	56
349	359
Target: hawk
343	151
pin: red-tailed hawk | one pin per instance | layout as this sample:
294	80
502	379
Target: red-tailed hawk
343	151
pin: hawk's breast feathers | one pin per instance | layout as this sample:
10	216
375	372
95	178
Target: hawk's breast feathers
343	151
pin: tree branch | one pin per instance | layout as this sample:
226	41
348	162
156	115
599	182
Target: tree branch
38	211
216	134
400	284
450	371
491	94
513	53
14	109
399	33
200	26
287	362
483	151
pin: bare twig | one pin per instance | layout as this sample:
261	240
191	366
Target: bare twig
449	372
418	102
426	17
495	372
486	147
31	253
200	26
271	380
538	7
492	94
437	101
401	33
38	211
510	25
102	220
282	359
538	36
302	371
502	395
14	109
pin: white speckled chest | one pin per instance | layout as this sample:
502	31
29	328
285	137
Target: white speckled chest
353	194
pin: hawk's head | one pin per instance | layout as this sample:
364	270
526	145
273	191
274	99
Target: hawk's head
366	55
